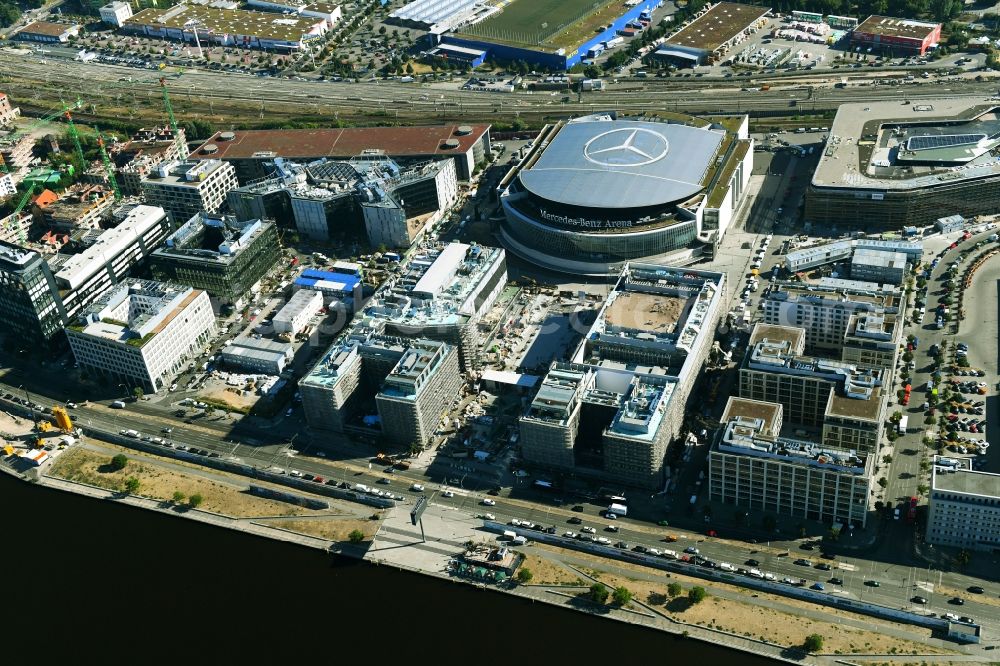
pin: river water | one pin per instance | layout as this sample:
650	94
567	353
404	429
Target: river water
101	582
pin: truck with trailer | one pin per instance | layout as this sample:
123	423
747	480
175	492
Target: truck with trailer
613	42
617	509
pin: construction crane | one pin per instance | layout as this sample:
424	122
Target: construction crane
50	116
109	168
76	137
181	145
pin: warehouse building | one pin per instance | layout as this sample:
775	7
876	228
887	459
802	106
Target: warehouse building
250	151
710	36
896	36
895	165
227	27
142	332
296	314
184	189
613	410
335	287
964	507
328	11
814	256
266	357
218	254
752	468
50	33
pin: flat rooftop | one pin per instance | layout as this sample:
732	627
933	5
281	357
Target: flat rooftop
435	140
855	408
717	26
268	25
857	135
896	27
968	482
768	412
656	313
793	335
46	28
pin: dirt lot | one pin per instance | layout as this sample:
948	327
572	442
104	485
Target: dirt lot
216	392
547	572
333	528
86	466
785	628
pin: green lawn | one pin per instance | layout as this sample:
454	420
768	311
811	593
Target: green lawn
551	24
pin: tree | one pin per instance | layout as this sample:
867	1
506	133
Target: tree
599	592
524	575
929	420
356	536
813	643
118	462
675	590
897	416
137	392
887	459
883	483
697	594
621	596
963	558
591	71
922	489
195	501
178	497
131	485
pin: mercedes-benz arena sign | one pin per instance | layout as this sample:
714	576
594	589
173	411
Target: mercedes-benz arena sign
604	191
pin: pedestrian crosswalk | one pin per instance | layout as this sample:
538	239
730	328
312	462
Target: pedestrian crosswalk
847	567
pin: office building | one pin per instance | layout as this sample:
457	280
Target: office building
145	149
754	469
250	151
824	310
813	256
29	298
408	383
844	400
877	266
441	293
950	223
142	333
418	391
218	254
116	13
266	357
184	189
297	312
614	408
964	507
872	340
896	36
8	113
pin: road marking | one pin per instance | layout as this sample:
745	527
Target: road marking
847	567
923	585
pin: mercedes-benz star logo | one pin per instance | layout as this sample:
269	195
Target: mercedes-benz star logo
639	147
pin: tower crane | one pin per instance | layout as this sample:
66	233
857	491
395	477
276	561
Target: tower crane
181	145
109	168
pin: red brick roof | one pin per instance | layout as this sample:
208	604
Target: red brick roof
349	142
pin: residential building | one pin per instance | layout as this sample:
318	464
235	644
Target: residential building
29	298
14	228
16	150
266	357
825	310
418	391
844	400
752	468
879	266
145	149
217	253
409	383
184	189
45	31
612	411
297	312
441	293
7	185
7	112
872	340
142	332
116	13
964	507
80	207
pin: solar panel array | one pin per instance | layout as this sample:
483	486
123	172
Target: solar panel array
931	141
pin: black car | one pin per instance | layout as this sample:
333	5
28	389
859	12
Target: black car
575	520
383	481
308	477
803	563
823	566
621	544
957	601
873	583
640	549
836	581
806	546
918	600
578	508
752	563
975	589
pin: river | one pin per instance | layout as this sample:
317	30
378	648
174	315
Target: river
101	582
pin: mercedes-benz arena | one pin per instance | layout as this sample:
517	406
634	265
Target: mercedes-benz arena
597	191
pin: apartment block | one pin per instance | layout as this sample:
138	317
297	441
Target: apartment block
16	150
217	253
7	112
824	311
613	410
752	468
142	332
184	189
964	507
80	207
145	149
441	293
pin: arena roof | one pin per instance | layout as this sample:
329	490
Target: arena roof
349	142
604	163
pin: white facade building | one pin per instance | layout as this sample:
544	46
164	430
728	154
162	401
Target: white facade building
116	13
142	332
297	312
964	508
184	189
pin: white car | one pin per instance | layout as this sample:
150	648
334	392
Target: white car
447	493
416	487
489	502
588	530
489	516
173	387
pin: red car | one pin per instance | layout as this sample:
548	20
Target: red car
712	533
